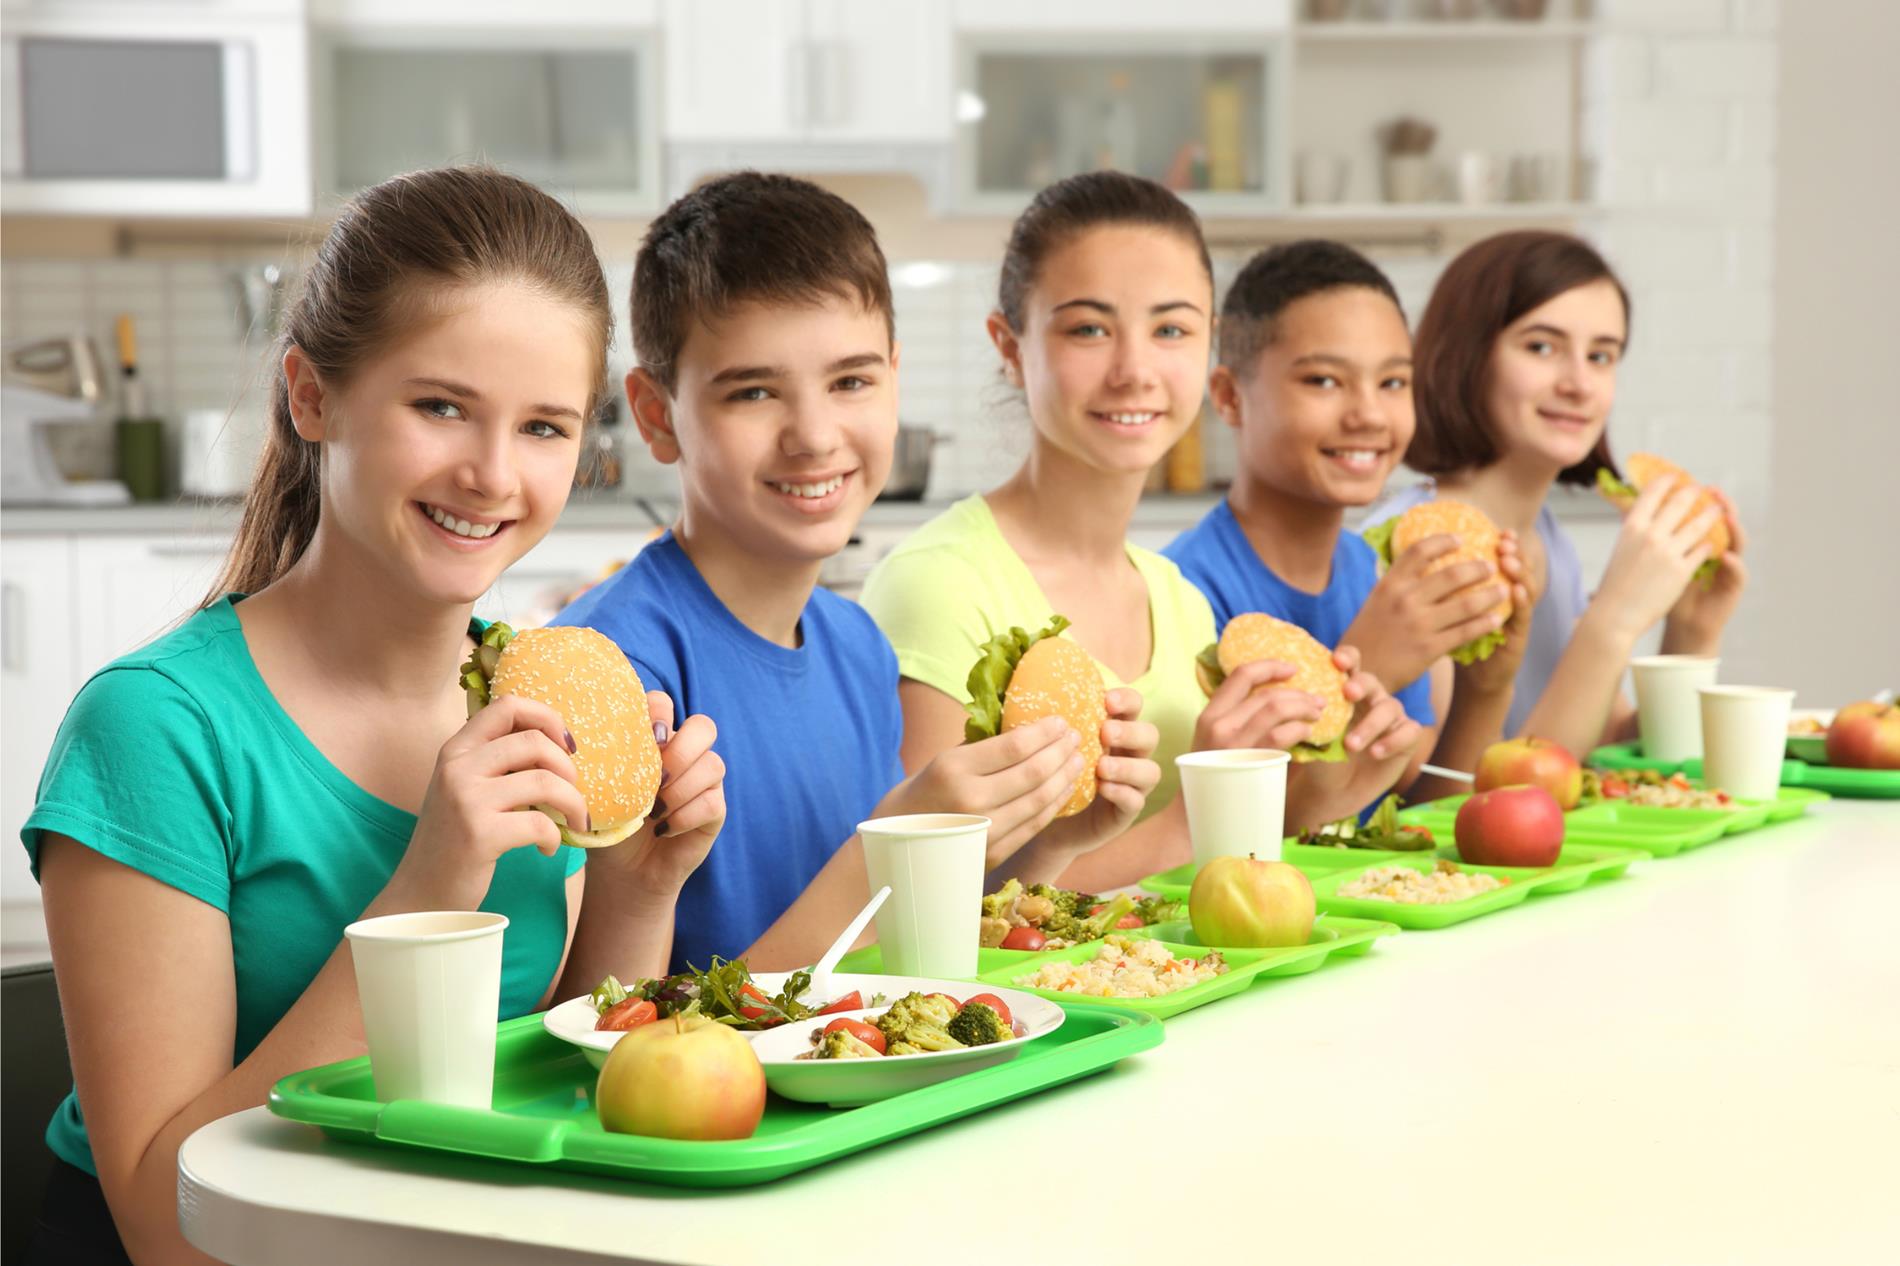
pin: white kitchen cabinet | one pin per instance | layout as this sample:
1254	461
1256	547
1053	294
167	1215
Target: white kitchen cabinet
808	71
129	590
38	674
575	110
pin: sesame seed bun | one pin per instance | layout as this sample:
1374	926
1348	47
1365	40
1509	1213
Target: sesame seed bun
1253	636
584	677
1645	469
1055	677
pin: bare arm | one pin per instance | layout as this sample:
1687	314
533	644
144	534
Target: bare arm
153	1063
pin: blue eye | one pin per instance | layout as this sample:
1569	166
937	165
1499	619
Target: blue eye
544	430
1089	329
1172	331
438	408
748	395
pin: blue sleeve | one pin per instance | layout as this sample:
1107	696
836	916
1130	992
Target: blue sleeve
135	775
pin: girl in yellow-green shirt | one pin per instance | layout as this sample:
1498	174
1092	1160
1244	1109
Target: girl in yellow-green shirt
1104	321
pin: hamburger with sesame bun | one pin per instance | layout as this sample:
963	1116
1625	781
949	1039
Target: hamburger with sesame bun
1645	469
1477	538
1253	636
1022	677
584	677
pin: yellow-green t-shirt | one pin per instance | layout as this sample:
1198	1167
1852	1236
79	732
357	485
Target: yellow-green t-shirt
956	583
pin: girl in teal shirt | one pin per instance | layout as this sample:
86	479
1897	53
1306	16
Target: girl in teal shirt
221	803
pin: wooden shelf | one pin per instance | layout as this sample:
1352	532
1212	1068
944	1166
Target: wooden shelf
1475	29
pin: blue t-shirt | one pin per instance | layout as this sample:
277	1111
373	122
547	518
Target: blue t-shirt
1555	615
1216	555
810	736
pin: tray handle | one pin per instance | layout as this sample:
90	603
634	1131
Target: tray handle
471	1131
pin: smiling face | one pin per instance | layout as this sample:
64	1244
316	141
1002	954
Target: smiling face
1114	346
451	455
1325	413
783	422
1552	376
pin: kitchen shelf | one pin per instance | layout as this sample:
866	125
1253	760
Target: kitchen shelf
1344	32
1434	211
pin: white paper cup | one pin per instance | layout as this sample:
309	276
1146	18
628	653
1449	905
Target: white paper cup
1668	711
430	985
934	866
1236	802
1744	733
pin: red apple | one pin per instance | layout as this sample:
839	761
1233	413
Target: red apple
1511	826
1532	762
686	1077
1240	901
1865	735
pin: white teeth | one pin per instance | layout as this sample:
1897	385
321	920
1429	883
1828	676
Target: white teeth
1366	457
462	527
810	490
1131	419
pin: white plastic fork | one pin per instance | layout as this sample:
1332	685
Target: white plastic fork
820	988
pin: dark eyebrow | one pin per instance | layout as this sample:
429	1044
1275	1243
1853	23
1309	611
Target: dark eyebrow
860	361
1109	308
1328	358
747	373
1611	339
467	392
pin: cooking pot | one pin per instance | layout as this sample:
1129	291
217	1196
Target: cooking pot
910	464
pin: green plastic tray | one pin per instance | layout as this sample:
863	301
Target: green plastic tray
1862	784
1355	938
1577	865
870	960
1244	967
543	1113
1587	858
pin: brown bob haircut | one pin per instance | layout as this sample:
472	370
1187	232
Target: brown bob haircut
749	237
1486	288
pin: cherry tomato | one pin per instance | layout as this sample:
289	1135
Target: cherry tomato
1128	921
752	1013
868	1034
995	1004
628	1013
1423	833
1024	939
853	1001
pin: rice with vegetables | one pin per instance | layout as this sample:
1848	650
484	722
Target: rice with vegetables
1405	886
1126	969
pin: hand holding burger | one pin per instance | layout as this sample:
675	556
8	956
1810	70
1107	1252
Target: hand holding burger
1460	582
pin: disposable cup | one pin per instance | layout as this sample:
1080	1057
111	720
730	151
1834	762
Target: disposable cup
1744	732
430	986
1668	711
934	866
1236	802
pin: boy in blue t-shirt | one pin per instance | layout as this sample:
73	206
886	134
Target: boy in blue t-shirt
762	319
1315	375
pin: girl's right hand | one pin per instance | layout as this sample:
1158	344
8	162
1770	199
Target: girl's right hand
1656	554
1248	710
1017	780
512	755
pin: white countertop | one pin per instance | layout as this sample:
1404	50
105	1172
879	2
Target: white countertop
1697	1063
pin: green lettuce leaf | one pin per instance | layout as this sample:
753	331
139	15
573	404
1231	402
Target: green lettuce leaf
1610	486
1380	538
989	679
1333	751
1479	648
481	663
1208	664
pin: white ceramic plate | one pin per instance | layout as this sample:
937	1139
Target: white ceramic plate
851	1083
573	1021
1810	747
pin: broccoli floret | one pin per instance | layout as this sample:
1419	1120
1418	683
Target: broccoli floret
1066	903
1153	910
918	1022
977	1024
903	1048
1084	927
997	904
841	1044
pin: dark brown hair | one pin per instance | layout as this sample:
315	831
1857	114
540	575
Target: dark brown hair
1486	288
749	237
1280	276
1068	207
392	253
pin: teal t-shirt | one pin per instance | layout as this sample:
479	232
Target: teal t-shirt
177	761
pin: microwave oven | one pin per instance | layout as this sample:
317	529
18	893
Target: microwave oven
155	109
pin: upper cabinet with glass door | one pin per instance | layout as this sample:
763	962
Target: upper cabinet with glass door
1192	96
572	107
